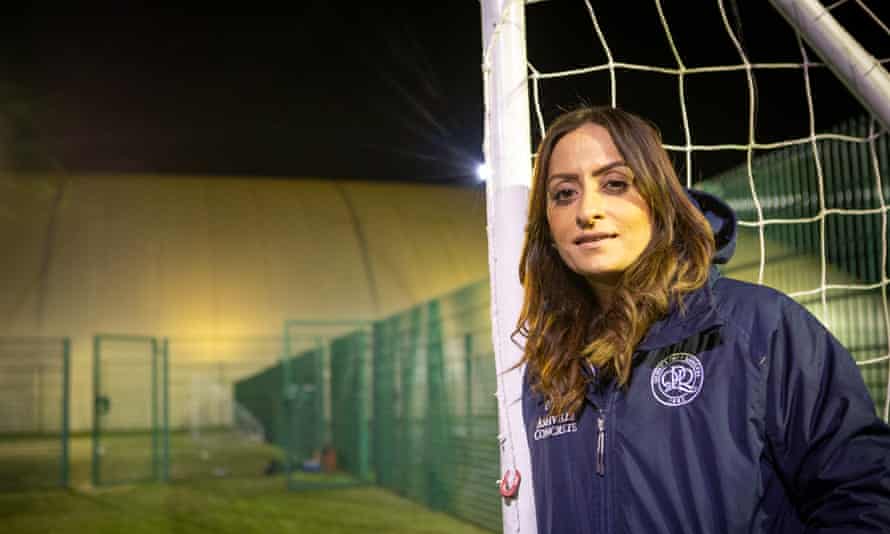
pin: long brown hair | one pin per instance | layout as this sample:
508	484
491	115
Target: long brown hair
561	319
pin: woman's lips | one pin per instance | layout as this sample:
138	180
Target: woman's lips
594	239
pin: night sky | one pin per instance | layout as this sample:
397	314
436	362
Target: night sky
369	90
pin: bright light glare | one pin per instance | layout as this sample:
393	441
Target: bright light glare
483	171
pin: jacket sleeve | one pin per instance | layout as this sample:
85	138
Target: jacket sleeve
828	445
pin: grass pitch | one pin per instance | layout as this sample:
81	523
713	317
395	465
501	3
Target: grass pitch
242	506
198	502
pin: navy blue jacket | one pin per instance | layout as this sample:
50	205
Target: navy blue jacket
742	415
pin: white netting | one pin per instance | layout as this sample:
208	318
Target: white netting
741	99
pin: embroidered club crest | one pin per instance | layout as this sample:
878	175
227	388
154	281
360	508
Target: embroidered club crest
677	379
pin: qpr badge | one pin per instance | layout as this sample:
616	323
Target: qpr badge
677	379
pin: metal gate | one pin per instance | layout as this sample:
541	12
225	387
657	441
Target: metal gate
130	415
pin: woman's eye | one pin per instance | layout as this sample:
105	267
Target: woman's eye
616	185
562	196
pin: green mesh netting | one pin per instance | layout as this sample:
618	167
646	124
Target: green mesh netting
435	414
406	402
327	402
350	413
262	395
306	419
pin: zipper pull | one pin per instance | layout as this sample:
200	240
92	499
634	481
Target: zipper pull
601	445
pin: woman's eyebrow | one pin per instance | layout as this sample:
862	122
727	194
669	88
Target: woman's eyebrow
562	176
601	170
609	166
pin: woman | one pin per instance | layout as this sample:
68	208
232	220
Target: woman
659	396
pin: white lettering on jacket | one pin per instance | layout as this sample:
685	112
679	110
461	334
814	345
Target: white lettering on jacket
549	426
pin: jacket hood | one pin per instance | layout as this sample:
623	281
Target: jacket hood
722	220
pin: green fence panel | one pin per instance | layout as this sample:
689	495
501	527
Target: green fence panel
34	412
438	447
410	465
385	397
261	395
328	402
306	431
435	413
350	424
469	387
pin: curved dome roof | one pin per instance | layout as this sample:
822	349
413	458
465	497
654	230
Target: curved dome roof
200	256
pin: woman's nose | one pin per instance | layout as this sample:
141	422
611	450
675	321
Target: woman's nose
590	209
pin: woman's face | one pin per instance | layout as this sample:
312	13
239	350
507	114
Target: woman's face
599	221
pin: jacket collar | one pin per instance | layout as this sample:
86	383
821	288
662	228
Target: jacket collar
700	314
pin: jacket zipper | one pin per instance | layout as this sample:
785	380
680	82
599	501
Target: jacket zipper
601	459
601	444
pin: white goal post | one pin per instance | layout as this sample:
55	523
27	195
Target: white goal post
507	149
861	73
